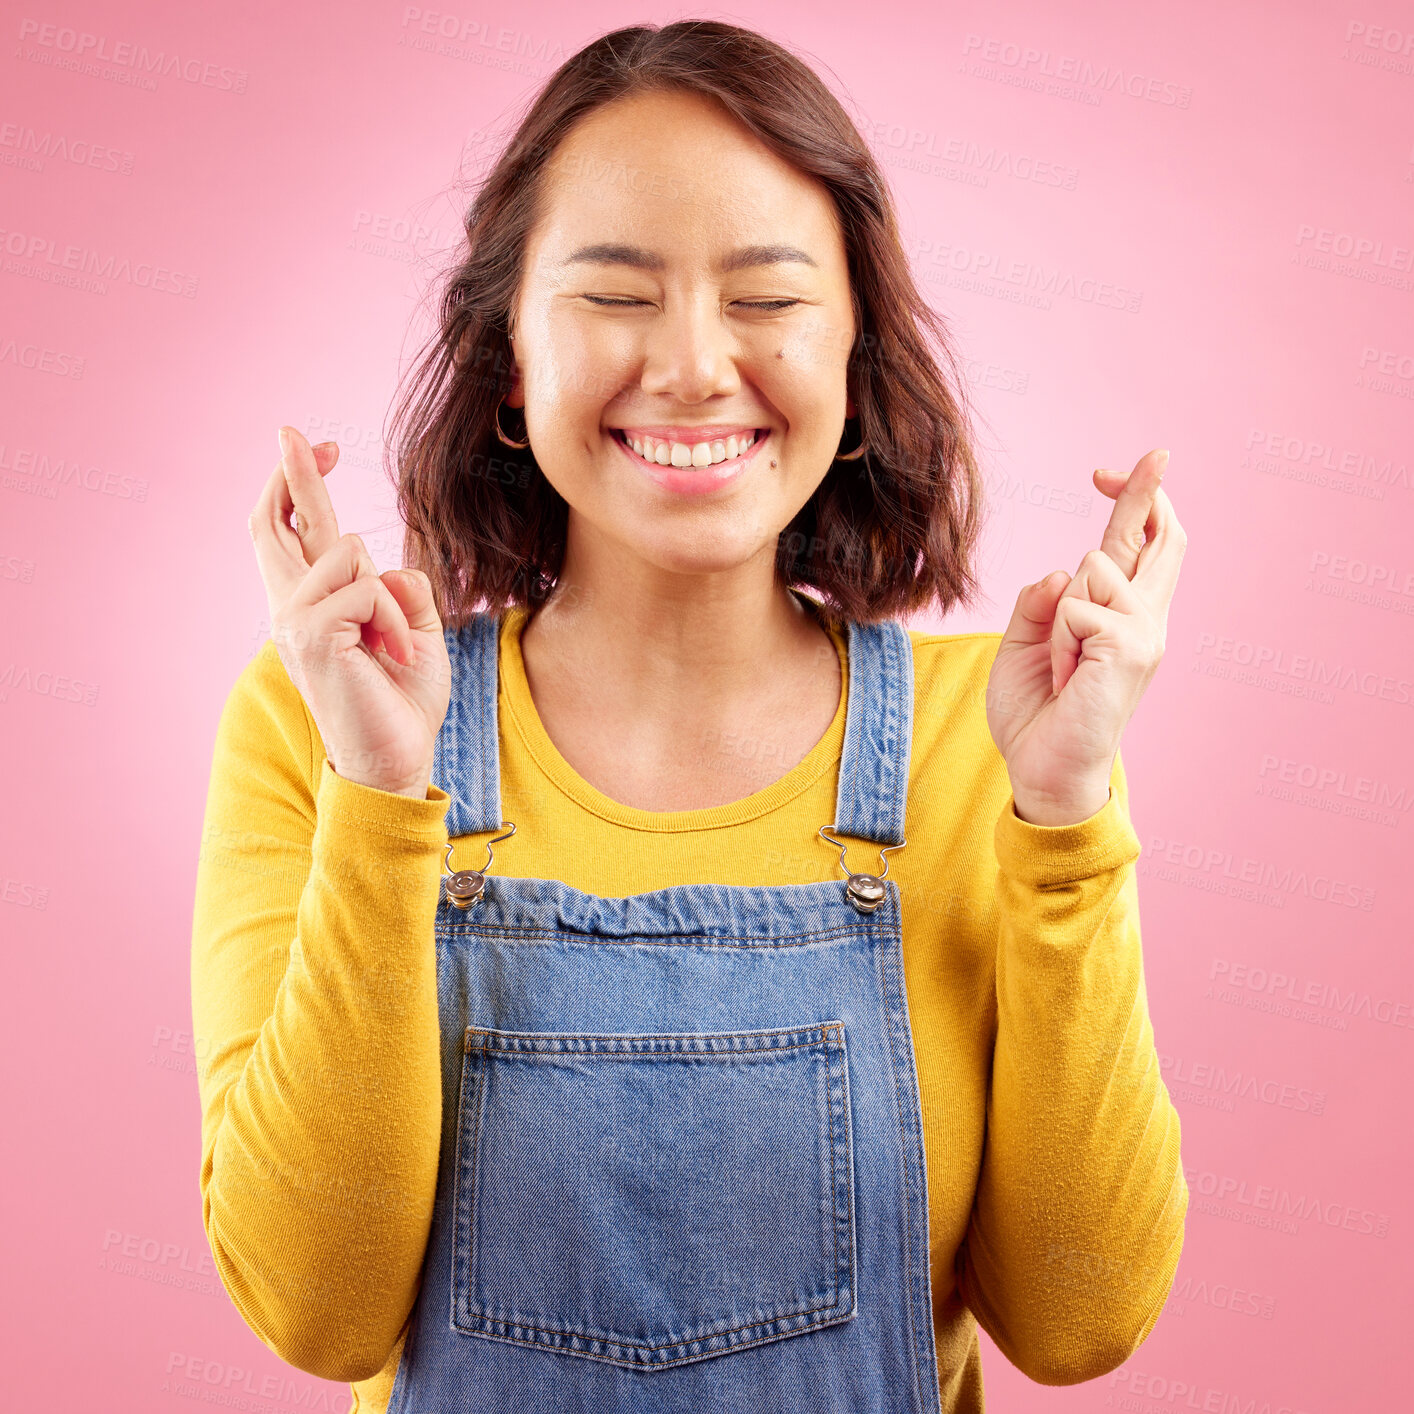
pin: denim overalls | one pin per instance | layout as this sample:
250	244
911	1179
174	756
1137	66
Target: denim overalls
682	1145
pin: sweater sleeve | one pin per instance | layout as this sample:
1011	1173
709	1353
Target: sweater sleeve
1077	1225
314	1005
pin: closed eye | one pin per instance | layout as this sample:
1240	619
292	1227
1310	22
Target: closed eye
746	304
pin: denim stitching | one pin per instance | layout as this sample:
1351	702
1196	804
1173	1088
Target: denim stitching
459	1290
624	1364
482	1085
908	1170
475	1314
457	1287
820	1033
737	940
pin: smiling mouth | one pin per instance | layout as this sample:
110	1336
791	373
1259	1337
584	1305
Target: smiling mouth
758	434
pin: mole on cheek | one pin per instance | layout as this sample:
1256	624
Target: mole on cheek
780	353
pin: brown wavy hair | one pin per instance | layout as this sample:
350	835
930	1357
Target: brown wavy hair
881	537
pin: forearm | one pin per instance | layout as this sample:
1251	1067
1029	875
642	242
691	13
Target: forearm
319	1178
1081	1200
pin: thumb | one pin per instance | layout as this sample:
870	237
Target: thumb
413	591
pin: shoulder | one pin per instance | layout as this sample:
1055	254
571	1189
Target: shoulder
952	662
958	647
951	736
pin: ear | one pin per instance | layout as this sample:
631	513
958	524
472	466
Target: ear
516	397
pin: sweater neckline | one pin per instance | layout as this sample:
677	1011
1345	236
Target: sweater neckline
526	719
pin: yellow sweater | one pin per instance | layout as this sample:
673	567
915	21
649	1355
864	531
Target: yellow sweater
1056	1195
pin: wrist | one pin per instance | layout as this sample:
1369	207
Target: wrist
1052	811
415	787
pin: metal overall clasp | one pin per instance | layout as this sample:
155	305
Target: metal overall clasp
864	891
466	887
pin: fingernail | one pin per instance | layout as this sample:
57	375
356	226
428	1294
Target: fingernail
284	442
319	447
1163	462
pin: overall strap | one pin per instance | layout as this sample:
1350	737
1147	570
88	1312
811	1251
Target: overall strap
878	734
466	760
873	783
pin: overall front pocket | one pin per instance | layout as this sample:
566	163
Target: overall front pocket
652	1200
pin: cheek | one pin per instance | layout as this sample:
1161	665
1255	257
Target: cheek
803	379
815	353
571	369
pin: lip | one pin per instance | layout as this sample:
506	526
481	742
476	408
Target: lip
692	480
703	432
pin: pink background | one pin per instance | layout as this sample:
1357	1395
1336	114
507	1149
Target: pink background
1225	236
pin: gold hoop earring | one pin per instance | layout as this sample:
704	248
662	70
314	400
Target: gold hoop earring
496	417
855	454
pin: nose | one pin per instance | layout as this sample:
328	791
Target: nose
691	353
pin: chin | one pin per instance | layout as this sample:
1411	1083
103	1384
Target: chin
704	551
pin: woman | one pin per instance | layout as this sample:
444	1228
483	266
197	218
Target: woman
681	1089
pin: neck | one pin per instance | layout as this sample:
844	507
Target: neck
685	650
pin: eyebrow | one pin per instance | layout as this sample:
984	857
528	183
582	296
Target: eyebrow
609	253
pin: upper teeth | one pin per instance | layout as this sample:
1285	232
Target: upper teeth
654	449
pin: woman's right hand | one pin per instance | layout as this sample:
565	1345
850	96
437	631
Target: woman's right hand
365	650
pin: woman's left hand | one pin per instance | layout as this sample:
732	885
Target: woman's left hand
1079	652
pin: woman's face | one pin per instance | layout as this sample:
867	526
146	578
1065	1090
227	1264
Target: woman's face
686	285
